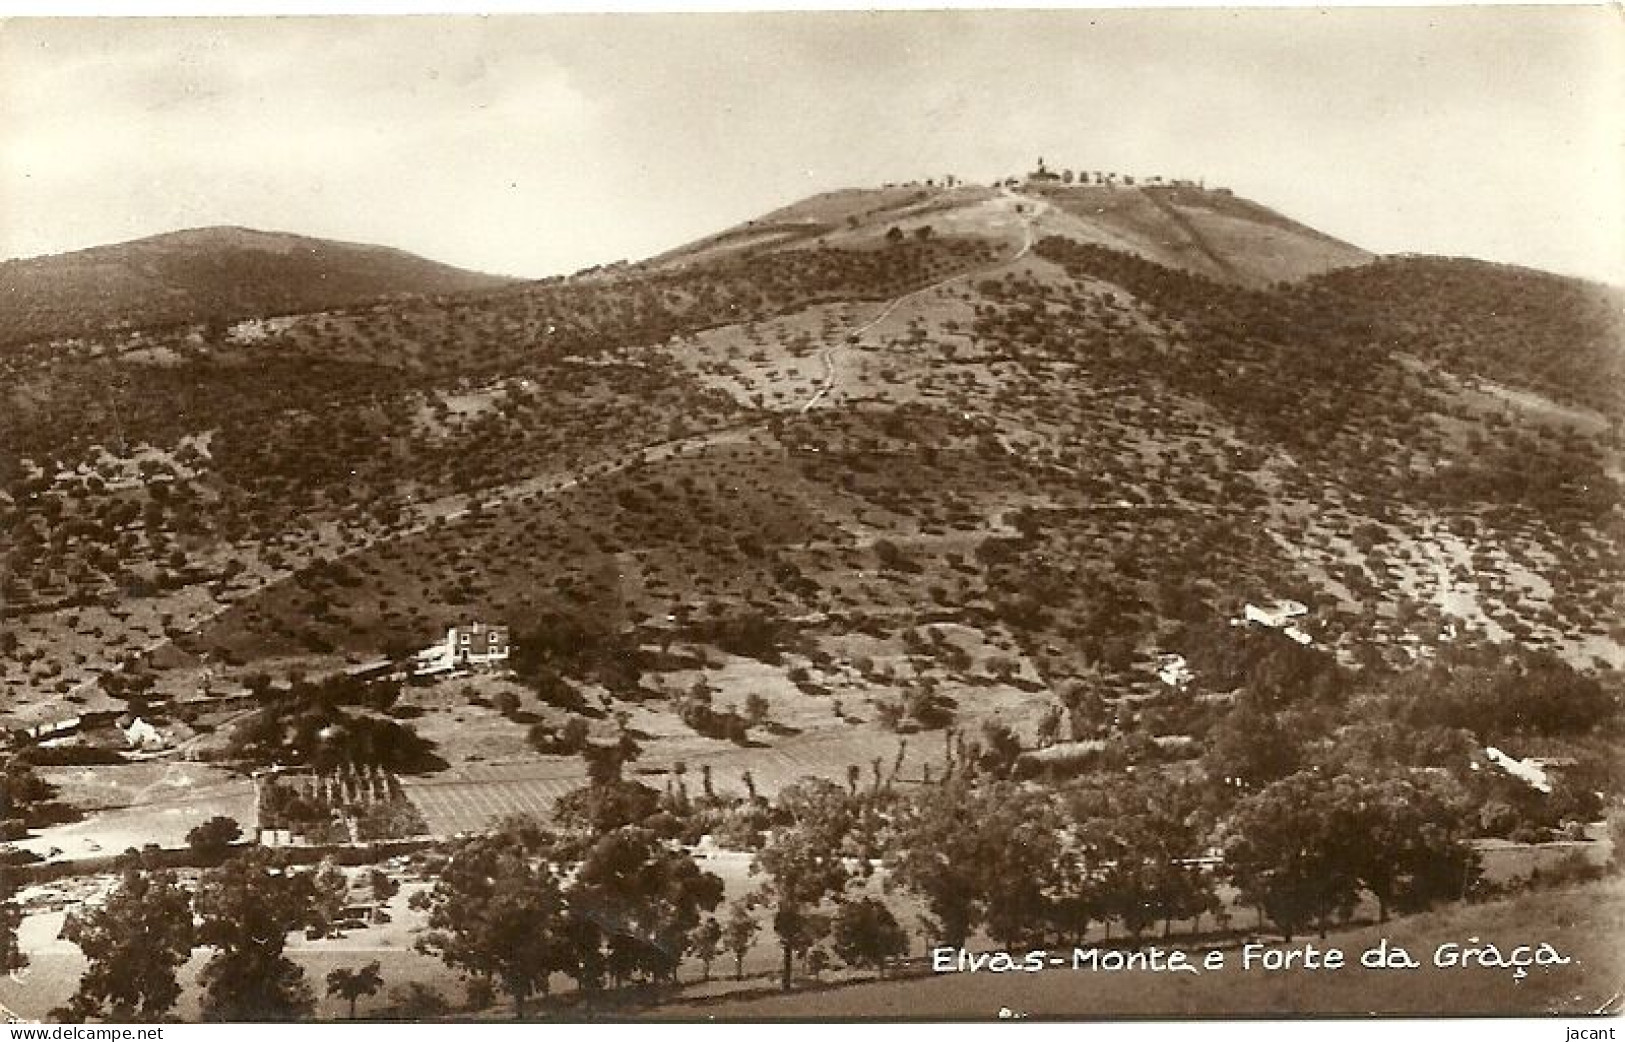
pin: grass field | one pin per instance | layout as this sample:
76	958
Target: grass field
1583	923
165	821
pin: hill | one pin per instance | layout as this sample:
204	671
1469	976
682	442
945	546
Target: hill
1207	232
208	274
884	488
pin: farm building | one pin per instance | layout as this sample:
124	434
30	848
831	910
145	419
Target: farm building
1275	615
1529	771
1278	615
52	730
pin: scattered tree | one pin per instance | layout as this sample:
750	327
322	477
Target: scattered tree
706	944
804	862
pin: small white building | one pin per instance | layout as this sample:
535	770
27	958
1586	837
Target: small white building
1174	671
1277	615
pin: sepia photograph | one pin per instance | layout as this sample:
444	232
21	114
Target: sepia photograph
791	516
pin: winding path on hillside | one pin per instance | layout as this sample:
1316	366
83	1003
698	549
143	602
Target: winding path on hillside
827	355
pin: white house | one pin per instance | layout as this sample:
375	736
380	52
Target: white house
1279	615
476	644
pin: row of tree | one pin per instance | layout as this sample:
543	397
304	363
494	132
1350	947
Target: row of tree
1025	866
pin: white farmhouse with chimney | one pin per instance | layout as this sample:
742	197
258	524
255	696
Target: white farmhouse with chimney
476	644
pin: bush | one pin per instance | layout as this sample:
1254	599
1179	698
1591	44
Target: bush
550	741
214	836
480	993
417	1001
69	756
726	724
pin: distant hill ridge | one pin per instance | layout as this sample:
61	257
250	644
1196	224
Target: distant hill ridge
200	274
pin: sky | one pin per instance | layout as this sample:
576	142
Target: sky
538	145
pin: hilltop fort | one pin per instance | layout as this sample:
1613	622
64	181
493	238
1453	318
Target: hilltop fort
1042	176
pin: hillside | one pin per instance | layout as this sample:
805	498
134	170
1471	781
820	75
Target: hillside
1211	233
208	274
887	488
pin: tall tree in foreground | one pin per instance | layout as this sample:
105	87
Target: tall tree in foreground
350	984
330	890
247	906
804	862
1282	852
643	899
1136	843
705	942
1408	839
979	852
498	912
135	944
739	933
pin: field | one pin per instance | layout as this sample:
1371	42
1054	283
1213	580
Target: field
466	799
165	820
112	786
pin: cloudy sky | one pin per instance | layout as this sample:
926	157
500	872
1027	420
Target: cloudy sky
538	145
